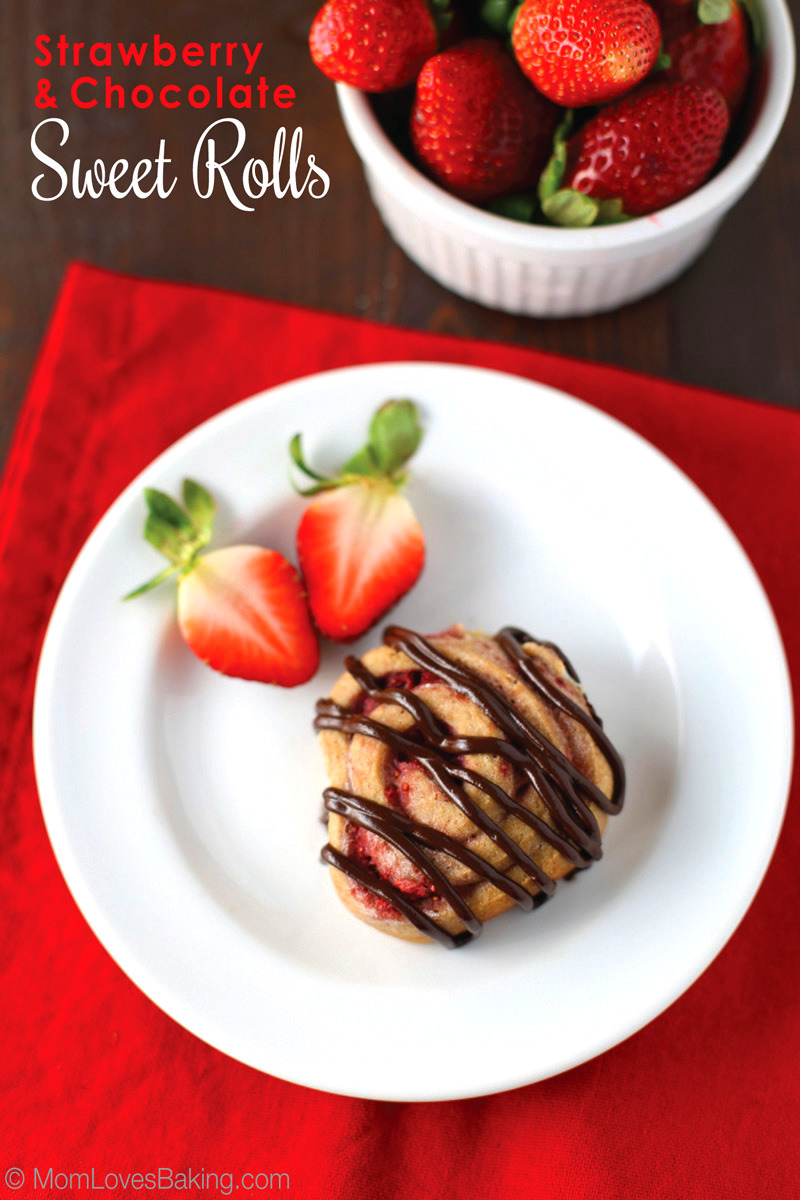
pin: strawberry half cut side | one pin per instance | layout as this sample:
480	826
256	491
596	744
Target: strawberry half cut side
242	610
359	544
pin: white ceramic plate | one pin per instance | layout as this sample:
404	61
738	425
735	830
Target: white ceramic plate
184	807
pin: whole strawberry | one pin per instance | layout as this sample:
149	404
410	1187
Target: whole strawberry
675	17
650	149
477	125
359	544
241	610
580	52
716	55
375	45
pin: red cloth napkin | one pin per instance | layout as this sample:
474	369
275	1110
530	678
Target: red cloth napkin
704	1102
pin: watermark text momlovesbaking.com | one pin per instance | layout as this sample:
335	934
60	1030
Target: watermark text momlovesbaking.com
162	1179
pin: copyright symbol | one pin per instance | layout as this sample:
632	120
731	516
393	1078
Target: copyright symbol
15	1177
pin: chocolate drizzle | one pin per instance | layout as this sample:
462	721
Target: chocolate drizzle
564	790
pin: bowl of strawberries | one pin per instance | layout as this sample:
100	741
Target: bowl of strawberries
557	157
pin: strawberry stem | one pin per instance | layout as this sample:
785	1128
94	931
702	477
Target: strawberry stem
155	582
177	533
394	437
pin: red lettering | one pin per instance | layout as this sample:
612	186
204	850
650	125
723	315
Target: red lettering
105	61
147	93
284	96
76	100
132	53
116	89
158	46
42	42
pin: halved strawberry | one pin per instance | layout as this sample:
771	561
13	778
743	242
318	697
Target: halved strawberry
359	544
241	610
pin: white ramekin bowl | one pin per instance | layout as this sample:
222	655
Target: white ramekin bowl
549	272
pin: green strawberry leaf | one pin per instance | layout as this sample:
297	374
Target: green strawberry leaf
177	534
201	507
610	212
296	454
663	61
394	435
753	11
363	462
553	174
497	14
713	12
321	482
167	510
177	545
442	14
519	207
570	208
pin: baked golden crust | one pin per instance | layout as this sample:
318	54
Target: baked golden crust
368	767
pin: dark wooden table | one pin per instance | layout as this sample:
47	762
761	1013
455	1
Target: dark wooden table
732	322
